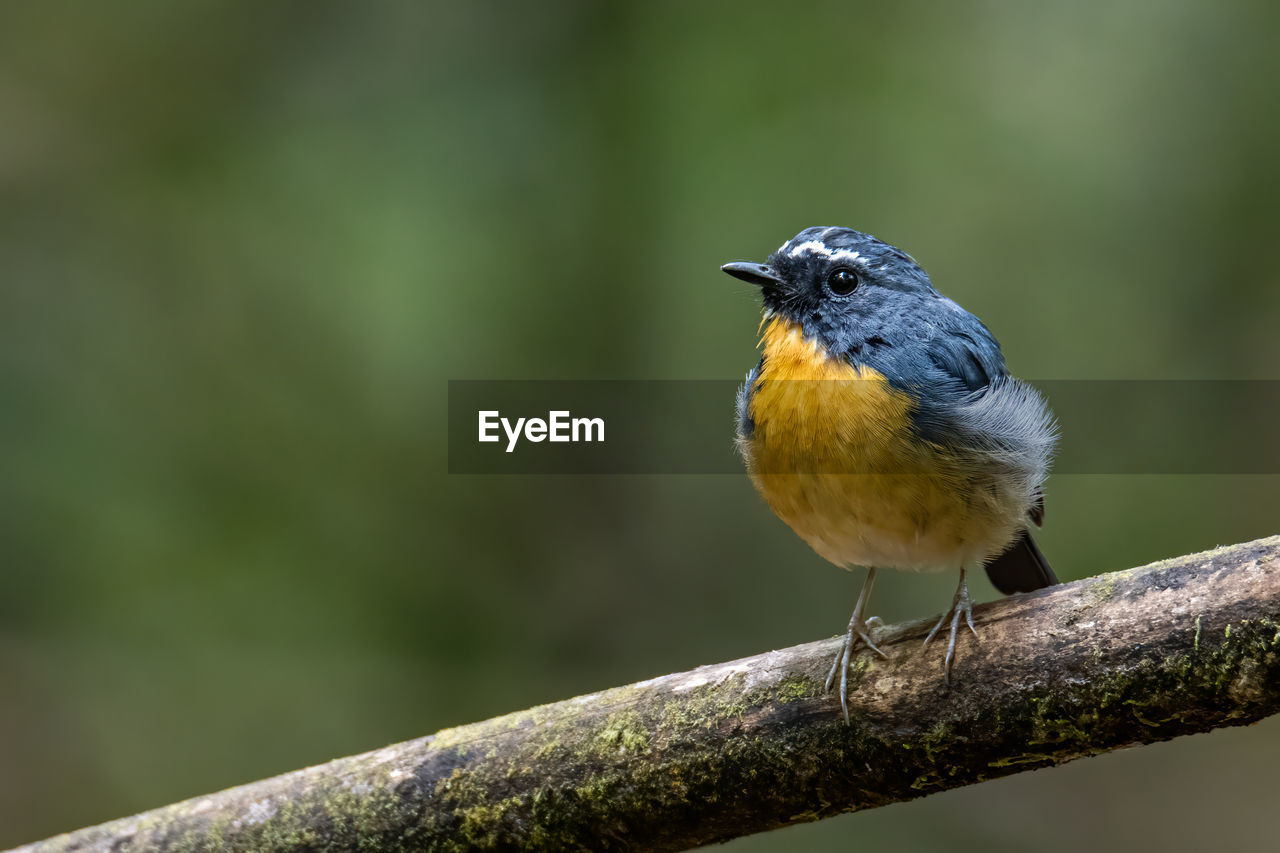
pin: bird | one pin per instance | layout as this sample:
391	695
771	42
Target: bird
882	425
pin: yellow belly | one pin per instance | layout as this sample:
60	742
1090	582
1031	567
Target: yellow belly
834	455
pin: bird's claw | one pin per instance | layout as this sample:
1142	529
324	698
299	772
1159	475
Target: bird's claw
960	605
859	631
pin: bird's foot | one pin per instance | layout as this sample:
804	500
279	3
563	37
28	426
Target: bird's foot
960	606
859	632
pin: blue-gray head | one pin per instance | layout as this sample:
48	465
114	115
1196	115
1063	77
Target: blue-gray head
841	286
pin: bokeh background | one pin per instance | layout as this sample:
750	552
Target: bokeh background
243	247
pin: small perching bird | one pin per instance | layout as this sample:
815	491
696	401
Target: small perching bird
883	427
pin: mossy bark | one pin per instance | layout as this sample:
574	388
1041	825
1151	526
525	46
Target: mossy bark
1131	657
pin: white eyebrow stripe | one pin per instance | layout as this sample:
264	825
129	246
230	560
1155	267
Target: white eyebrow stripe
816	247
845	255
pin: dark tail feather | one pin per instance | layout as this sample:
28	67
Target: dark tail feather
1021	568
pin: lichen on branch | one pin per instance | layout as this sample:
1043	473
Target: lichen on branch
1138	656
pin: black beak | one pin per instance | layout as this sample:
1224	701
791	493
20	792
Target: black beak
758	274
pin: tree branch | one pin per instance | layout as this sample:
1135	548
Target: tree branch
1131	657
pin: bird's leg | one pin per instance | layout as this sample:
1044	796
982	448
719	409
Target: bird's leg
857	628
960	604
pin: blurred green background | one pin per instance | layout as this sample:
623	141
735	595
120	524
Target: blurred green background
245	245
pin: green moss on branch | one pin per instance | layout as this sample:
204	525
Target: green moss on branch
1148	654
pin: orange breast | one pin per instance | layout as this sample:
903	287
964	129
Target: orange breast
813	412
834	455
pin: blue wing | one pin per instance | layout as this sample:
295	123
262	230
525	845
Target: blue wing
972	358
958	363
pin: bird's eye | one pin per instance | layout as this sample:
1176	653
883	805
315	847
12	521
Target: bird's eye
842	281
